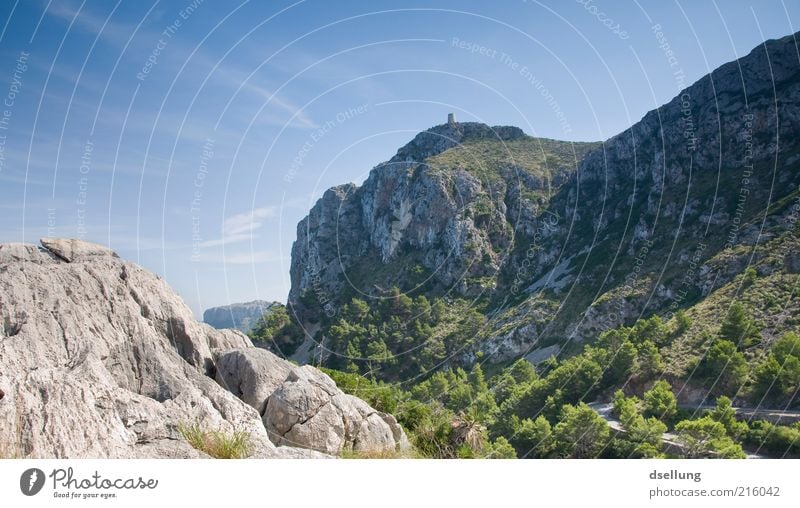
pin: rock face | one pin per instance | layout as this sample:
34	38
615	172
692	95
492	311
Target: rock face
240	316
302	407
442	211
591	237
308	411
101	359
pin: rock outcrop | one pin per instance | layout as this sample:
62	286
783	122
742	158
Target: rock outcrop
308	411
240	316
302	407
441	212
99	358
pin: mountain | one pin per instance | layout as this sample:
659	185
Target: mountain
240	316
552	243
99	358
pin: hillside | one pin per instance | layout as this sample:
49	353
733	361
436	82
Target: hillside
554	242
485	276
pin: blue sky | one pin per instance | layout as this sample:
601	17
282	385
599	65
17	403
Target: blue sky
192	136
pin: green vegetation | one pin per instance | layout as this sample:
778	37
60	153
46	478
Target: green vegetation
778	440
777	378
660	402
581	433
400	336
739	326
706	437
415	357
540	412
643	435
537	156
278	329
217	444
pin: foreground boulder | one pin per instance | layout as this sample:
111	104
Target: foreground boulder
308	411
302	407
99	358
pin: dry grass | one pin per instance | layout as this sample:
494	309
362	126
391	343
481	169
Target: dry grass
217	444
378	454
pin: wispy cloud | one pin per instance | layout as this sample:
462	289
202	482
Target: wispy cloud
242	227
232	77
280	109
89	22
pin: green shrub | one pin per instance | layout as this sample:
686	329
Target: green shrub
581	433
660	402
706	437
778	440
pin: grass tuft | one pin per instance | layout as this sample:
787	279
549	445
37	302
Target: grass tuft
216	443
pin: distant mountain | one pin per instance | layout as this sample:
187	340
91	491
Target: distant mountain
240	316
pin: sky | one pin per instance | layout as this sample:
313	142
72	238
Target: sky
192	136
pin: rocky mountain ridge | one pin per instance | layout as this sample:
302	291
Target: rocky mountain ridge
554	241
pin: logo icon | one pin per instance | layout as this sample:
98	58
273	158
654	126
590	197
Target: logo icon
31	481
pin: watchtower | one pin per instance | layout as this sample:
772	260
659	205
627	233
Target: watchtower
451	119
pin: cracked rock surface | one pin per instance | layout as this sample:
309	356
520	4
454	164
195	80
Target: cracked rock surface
308	411
99	358
302	407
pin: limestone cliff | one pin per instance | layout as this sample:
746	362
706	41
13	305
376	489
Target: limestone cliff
557	241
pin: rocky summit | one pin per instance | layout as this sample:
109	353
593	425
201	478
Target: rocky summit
554	242
99	358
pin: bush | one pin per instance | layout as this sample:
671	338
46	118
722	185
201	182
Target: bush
778	376
532	438
660	402
725	414
279	329
726	366
217	444
705	437
381	396
683	322
739	327
501	449
778	440
581	433
650	362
